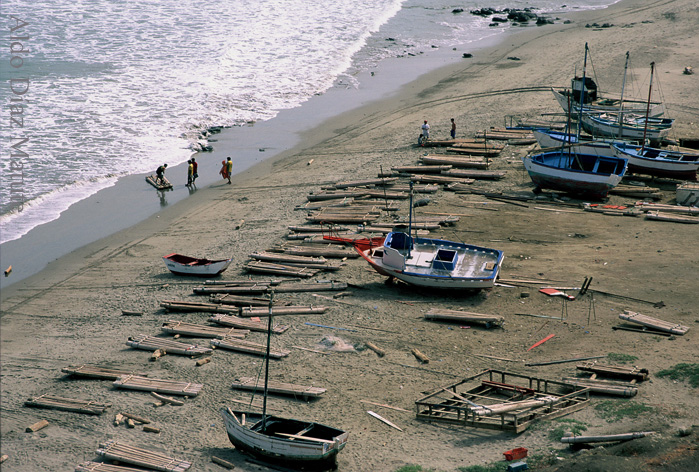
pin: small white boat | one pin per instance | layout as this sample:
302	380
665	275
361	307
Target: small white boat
632	127
185	265
659	162
574	172
586	145
293	443
434	263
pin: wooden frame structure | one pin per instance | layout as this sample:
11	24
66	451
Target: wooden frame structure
490	400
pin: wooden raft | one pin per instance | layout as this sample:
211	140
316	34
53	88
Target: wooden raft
454	161
249	347
245	323
90	466
237	300
202	331
650	322
280	269
180	305
98	372
284	310
151	179
54	402
172	387
463	317
631	373
151	343
121	452
249	383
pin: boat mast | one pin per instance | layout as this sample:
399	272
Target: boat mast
650	91
582	94
269	335
621	99
410	219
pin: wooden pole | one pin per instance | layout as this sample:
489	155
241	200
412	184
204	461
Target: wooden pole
380	352
420	356
222	463
37	426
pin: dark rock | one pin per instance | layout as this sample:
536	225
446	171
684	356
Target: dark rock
514	58
497	19
467	55
457	10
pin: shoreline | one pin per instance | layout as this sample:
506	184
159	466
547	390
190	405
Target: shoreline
71	312
131	201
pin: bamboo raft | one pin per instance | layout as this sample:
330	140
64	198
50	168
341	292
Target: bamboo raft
127	454
440	179
320	263
283	310
245	323
687	210
324	217
366	183
441	314
452	142
151	179
324	251
605	438
239	301
674	218
317	228
322	196
234	289
54	402
244	282
180	305
474	151
427	188
90	466
306	392
425	169
280	269
98	372
249	348
170	387
151	343
202	331
521	136
311	287
654	323
607	387
455	161
475	174
631	373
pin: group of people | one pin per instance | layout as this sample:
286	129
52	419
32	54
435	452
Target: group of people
192	174
425	135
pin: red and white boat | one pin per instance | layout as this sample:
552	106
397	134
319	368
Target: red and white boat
185	265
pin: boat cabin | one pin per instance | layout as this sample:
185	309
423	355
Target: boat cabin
398	241
445	260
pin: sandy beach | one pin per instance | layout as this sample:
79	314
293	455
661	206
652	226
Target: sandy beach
71	312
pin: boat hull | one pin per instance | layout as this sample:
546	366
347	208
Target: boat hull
584	174
596	125
319	452
553	139
184	265
610	106
435	263
658	162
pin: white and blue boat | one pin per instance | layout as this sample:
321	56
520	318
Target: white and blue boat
659	162
574	172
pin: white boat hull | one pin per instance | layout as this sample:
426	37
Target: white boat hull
283	443
599	126
659	162
435	263
183	265
610	106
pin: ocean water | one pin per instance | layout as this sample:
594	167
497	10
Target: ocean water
99	89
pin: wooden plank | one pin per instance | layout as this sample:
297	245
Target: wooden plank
655	323
248	347
381	418
98	372
305	391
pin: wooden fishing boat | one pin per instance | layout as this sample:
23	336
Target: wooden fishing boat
586	144
659	162
434	263
577	173
631	127
607	105
294	443
185	265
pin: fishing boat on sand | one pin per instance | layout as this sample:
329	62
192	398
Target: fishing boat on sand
570	171
296	444
659	162
185	265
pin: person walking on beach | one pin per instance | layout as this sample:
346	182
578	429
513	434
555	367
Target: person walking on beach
195	172
229	168
224	170
453	129
190	172
425	131
160	174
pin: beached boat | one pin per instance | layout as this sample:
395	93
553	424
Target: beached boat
631	127
587	145
574	172
294	443
659	162
434	263
185	265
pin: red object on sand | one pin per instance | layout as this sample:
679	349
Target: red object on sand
541	342
553	292
516	453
